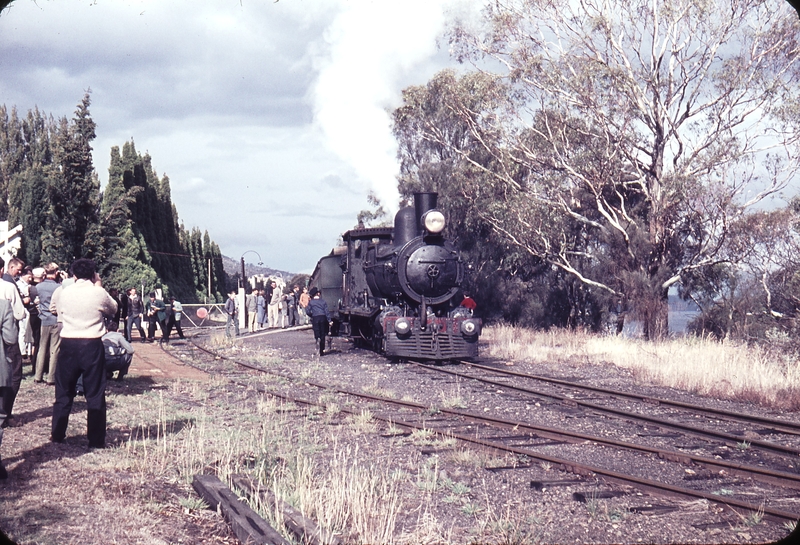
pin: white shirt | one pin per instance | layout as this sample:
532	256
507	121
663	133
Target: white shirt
9	292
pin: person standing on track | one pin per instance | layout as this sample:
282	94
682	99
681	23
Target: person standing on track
261	305
156	312
274	307
294	297
174	319
302	305
251	304
318	310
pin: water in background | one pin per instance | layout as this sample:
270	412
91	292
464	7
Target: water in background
680	314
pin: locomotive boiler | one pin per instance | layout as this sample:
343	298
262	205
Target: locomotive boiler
397	289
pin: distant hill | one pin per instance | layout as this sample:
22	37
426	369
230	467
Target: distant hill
234	266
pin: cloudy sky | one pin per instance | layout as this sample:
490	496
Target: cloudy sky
270	118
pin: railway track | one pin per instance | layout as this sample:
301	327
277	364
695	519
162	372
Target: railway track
533	441
689	412
776	425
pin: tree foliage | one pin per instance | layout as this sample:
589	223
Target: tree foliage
625	142
132	229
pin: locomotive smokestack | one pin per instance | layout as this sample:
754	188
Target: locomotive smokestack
422	203
407	221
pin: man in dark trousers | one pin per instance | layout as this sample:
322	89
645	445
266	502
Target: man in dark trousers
83	308
174	317
318	310
135	313
156	312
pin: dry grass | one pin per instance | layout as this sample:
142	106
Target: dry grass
346	494
320	470
727	370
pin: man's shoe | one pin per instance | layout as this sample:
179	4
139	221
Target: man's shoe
54	440
97	445
3	472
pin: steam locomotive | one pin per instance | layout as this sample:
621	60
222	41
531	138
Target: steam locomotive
397	289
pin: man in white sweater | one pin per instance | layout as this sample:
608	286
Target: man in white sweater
82	308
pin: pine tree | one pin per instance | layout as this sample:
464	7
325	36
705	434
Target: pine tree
74	195
28	206
12	153
48	184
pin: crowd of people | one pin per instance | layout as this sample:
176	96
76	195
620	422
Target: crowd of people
66	325
156	313
268	308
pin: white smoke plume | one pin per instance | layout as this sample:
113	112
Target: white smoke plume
371	47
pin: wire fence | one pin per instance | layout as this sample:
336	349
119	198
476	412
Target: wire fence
213	315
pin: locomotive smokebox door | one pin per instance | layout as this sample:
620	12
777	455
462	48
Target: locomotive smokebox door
431	271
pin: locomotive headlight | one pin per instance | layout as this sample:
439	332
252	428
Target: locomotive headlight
469	328
402	326
433	221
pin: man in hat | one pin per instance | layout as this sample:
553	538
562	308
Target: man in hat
318	310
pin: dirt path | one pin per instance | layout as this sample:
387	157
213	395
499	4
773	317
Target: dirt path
67	493
150	360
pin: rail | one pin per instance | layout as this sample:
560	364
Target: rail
569	465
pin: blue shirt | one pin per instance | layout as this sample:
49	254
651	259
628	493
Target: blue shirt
318	307
45	290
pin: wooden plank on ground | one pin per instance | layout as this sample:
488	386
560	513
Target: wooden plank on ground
248	526
305	529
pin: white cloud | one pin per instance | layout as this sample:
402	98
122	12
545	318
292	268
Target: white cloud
270	119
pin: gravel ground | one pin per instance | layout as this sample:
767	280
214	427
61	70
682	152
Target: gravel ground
67	494
556	517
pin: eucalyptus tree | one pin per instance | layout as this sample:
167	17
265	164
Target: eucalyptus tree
447	144
654	126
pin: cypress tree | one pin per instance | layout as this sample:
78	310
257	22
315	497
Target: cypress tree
12	153
48	184
74	194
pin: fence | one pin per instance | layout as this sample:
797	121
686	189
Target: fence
215	315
